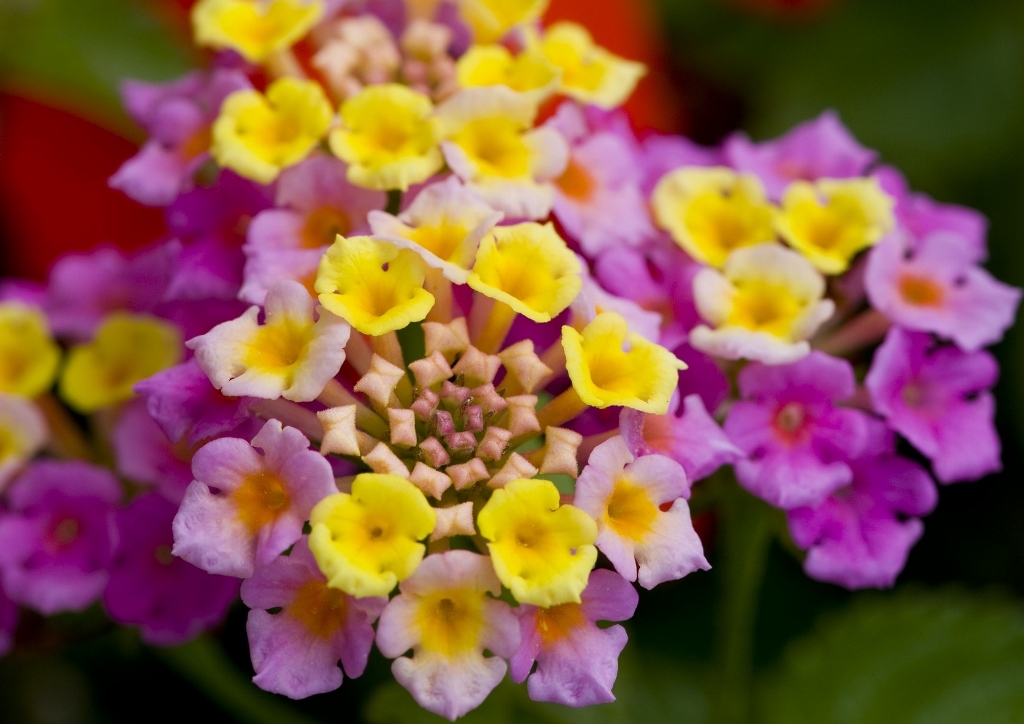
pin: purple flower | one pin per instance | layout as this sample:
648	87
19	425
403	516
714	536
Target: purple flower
8	622
187	407
261	501
859	536
85	288
663	153
296	652
932	285
222	210
577	662
598	200
821	148
57	539
798	441
687	434
316	203
178	116
171	601
921	216
145	455
938	397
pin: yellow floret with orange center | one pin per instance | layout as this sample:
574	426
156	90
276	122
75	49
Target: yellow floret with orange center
260	500
28	355
254	28
450	621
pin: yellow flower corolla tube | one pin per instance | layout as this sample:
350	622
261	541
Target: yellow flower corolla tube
374	286
528	267
831	220
542	552
127	348
254	28
388	137
491	144
609	365
291	355
490	20
763	305
258	135
529	72
444	225
711	211
367	541
590	74
28	355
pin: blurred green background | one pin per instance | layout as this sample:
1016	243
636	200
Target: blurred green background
938	88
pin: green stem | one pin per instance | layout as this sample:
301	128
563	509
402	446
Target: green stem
745	527
203	663
394	202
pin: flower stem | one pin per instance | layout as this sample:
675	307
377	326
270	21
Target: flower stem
745	527
203	663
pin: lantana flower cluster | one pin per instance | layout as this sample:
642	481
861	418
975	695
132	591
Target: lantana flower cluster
409	369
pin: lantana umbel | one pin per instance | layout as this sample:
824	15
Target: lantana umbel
418	369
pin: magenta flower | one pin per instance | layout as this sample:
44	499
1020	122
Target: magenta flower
663	153
315	203
177	116
246	507
8	622
296	651
598	199
85	288
188	407
798	440
57	538
643	520
171	601
939	398
144	454
821	148
859	536
933	286
687	434
577	662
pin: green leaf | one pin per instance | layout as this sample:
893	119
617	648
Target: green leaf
76	53
649	689
939	657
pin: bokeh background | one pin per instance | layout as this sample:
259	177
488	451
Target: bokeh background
937	86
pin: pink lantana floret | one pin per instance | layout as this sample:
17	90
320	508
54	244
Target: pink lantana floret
248	502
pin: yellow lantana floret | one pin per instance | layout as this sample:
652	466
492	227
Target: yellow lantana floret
529	72
541	551
254	28
528	267
366	542
388	137
127	348
490	20
258	135
712	211
590	74
28	355
609	365
831	220
373	285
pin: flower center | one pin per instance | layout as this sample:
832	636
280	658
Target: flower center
919	291
557	622
630	511
320	609
260	499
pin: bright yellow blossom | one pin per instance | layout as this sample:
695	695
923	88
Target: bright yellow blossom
255	28
126	349
258	135
388	138
831	220
28	355
590	74
542	552
490	20
529	72
711	211
366	542
528	267
373	285
609	365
